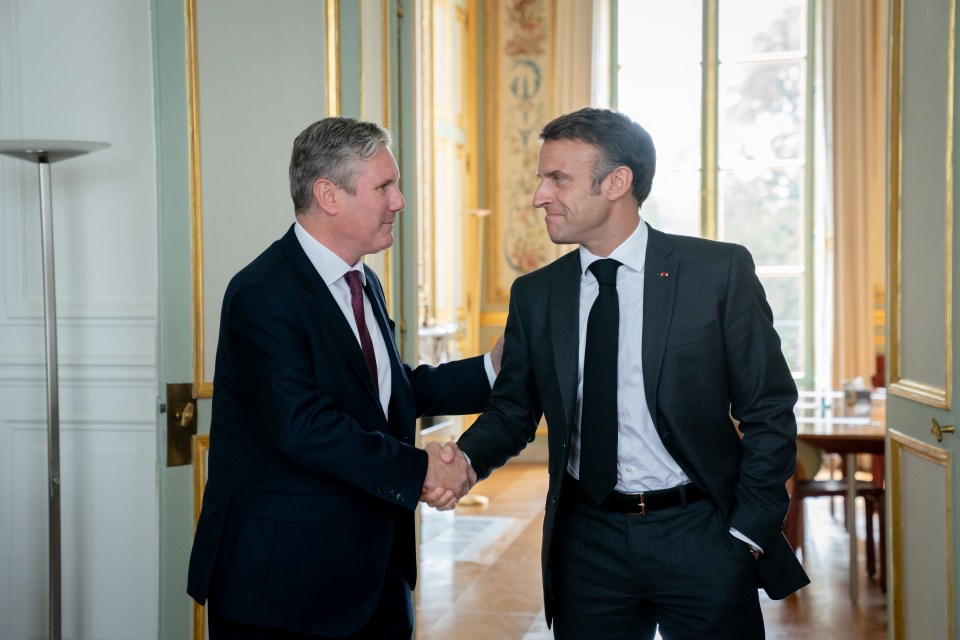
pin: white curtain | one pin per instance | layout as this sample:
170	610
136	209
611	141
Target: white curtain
573	70
823	238
856	97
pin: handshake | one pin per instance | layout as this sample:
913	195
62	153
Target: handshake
449	476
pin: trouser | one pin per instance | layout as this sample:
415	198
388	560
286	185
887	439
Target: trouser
621	576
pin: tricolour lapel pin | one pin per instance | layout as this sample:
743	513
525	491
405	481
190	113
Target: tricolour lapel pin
664	274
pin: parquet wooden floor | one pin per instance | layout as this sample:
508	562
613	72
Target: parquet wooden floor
480	572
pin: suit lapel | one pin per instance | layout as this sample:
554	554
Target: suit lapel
401	392
318	297
564	308
659	288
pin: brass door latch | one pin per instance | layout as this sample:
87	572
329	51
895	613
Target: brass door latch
937	430
181	409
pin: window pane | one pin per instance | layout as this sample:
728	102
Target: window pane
785	295
674	202
761	112
750	27
761	209
649	26
659	82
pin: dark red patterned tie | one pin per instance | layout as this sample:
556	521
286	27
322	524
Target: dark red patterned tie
356	301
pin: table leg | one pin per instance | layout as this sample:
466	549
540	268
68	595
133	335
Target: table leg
851	460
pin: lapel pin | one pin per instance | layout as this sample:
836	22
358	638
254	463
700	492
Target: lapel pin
664	274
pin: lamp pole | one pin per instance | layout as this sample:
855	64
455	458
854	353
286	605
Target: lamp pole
44	153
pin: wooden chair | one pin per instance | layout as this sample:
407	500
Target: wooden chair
873	496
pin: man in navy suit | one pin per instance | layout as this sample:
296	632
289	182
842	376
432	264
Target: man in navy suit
307	527
658	513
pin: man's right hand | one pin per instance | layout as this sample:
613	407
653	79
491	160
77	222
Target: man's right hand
449	476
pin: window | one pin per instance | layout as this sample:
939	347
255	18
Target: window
722	86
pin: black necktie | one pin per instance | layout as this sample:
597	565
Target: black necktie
356	301
598	418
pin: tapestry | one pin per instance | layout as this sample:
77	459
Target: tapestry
522	51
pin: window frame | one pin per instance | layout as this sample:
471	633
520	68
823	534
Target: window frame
710	157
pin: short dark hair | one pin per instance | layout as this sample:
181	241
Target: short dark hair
619	141
332	148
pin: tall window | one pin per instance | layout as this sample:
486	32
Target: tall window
722	86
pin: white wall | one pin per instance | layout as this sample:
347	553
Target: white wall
80	71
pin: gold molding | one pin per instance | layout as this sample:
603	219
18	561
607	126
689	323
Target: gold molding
363	89
202	388
493	319
333	57
710	123
900	442
385	66
948	218
894	181
462	117
385	60
492	229
200	445
469	313
928	394
427	177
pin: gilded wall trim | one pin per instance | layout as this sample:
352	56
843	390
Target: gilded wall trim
711	71
898	445
385	89
202	384
920	391
520	63
333	58
493	319
202	388
200	446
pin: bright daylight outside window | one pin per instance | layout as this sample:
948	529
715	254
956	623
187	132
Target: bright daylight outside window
726	102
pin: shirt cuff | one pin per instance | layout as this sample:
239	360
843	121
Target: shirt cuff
753	545
488	367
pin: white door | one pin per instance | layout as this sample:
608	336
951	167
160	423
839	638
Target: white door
923	324
80	71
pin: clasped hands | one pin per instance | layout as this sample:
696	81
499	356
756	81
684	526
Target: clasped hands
449	476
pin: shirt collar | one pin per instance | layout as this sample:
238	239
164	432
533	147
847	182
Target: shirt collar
630	253
328	264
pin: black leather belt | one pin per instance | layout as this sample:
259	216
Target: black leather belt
638	504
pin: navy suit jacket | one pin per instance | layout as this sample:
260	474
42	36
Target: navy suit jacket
311	487
709	352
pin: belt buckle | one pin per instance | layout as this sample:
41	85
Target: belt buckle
643	505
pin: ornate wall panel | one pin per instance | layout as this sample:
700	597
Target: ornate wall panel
519	47
80	71
921	202
257	78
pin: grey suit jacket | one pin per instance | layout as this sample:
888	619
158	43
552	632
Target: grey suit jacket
709	352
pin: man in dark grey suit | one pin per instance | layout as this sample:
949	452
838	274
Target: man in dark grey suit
670	517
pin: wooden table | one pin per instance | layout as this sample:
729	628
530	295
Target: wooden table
829	423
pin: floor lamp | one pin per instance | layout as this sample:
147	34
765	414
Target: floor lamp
44	153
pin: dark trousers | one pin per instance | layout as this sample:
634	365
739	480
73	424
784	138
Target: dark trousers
619	576
391	620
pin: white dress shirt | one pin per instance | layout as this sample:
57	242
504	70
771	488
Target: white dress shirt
643	463
332	269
